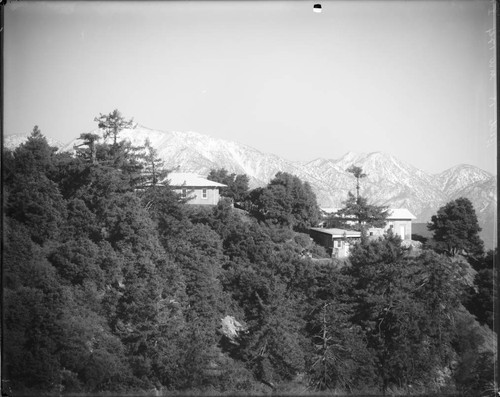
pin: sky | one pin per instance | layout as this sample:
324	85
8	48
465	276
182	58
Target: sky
411	78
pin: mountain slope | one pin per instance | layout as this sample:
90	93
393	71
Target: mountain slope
389	181
194	152
459	177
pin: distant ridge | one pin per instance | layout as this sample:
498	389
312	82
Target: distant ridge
12	141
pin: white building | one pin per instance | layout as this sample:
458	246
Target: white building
399	220
197	189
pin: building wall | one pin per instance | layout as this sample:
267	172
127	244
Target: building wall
341	248
401	227
336	247
196	195
323	239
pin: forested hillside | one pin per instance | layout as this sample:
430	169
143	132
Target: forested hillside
112	283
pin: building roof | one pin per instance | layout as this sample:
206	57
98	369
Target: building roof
394	213
190	180
400	213
334	232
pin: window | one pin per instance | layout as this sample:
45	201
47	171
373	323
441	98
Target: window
184	193
204	194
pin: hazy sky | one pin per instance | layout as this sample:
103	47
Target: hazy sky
411	78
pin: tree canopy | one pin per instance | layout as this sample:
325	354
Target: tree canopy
286	201
456	229
112	124
237	185
358	209
358	174
112	285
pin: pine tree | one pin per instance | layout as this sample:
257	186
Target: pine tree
89	140
456	229
358	174
112	124
154	169
357	209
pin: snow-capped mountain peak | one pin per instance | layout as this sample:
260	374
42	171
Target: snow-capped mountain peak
460	176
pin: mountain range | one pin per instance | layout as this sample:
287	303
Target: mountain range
390	181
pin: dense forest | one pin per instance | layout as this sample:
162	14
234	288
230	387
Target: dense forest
111	282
